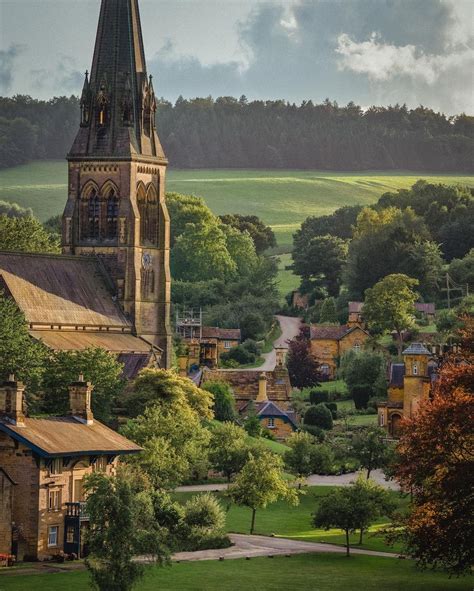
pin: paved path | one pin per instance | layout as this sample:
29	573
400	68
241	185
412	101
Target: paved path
290	328
313	480
246	546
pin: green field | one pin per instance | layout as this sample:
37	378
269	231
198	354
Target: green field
303	572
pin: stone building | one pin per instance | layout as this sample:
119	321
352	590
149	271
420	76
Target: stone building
329	343
206	348
281	423
409	384
7	485
47	459
112	286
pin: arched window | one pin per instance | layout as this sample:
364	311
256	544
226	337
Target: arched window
148	207
111	210
142	209
90	213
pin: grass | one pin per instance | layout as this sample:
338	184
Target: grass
303	572
283	520
275	446
282	198
272	336
287	280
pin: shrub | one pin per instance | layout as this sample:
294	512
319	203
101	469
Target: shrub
315	431
322	459
319	415
333	408
252	347
361	395
204	523
318	396
239	354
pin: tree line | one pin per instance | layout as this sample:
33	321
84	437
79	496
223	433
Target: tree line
235	133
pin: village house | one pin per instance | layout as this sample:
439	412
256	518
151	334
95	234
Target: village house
281	423
43	462
111	287
329	343
409	384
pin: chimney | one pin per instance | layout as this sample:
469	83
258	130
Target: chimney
262	388
280	356
80	400
11	401
183	365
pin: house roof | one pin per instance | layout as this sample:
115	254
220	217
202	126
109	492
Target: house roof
67	436
56	290
428	308
416	349
69	340
270	409
332	332
355	307
133	363
397	374
228	334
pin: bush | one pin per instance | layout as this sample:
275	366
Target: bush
239	354
320	416
315	431
332	406
252	347
361	395
204	523
318	396
322	459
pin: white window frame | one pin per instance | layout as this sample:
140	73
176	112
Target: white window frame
381	420
356	347
415	369
271	423
227	345
54	500
53	536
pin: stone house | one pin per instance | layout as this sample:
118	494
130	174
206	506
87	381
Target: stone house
207	344
409	384
7	485
329	343
47	458
281	423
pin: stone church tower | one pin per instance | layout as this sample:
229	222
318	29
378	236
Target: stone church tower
116	206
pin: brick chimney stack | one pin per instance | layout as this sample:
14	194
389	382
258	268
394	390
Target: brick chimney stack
11	401
80	400
262	388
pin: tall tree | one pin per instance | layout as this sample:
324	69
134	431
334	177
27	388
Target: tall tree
25	234
262	235
302	366
390	305
370	448
228	450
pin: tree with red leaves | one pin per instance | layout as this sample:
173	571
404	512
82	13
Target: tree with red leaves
303	368
436	463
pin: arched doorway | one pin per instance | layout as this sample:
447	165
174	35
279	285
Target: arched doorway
395	421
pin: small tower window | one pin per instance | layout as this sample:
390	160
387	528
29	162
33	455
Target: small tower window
415	369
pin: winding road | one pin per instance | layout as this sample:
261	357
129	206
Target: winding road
290	328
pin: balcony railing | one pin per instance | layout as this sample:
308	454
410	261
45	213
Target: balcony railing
77	510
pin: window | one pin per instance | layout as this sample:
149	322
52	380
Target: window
53	534
54	503
56	466
356	347
415	369
112	215
70	534
271	423
381	420
100	464
325	369
227	345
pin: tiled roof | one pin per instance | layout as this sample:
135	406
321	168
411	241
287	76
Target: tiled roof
228	334
56	290
425	308
321	331
355	307
133	363
66	436
68	340
416	349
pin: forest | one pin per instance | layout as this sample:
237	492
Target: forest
237	133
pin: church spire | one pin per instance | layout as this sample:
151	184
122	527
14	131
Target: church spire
118	102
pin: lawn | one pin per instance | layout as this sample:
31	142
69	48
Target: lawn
303	572
282	198
286	521
287	280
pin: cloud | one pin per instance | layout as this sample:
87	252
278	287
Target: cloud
384	62
7	59
62	75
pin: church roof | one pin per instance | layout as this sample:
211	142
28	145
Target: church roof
68	340
119	86
58	290
66	436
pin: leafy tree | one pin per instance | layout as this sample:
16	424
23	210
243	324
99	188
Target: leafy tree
302	366
322	459
298	459
439	529
369	448
390	305
241	250
328	312
462	270
228	449
318	415
184	210
260	483
19	353
262	235
339	224
321	259
121	526
365	375
224	401
386	242
25	234
204	522
98	367
372	502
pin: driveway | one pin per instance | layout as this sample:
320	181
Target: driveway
246	546
290	328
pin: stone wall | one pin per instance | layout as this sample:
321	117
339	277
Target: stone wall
6	501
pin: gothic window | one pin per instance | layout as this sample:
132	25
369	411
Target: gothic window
90	213
142	209
148	207
111	211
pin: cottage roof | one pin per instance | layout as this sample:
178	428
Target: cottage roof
428	308
270	409
355	307
227	334
67	436
416	349
58	290
323	332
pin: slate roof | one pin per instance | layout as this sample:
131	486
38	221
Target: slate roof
355	307
270	409
397	375
323	332
133	363
66	436
416	349
227	334
68	340
60	290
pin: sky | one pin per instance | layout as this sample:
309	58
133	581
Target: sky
366	51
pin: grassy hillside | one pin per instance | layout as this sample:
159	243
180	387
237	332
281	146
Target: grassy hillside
281	198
